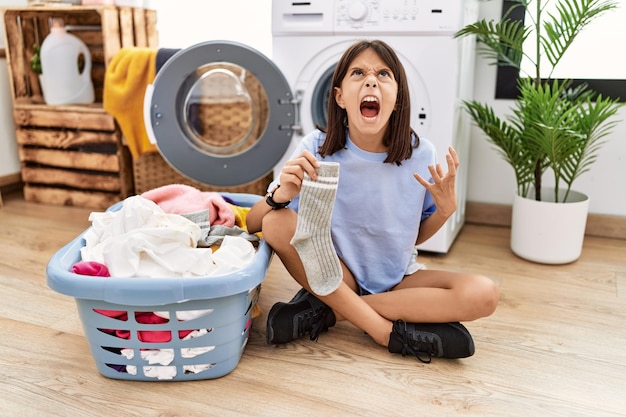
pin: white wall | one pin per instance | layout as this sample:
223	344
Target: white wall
187	22
9	162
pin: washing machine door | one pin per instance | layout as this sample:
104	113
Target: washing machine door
221	113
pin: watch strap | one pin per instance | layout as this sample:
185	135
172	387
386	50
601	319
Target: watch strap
273	204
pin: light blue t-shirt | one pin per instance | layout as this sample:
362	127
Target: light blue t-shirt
378	209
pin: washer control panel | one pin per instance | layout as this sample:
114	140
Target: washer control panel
398	16
371	17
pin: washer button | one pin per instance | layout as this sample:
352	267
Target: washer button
357	11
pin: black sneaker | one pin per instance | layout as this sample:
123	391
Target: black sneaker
425	340
303	314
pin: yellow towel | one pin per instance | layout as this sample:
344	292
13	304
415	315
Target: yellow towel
125	81
240	217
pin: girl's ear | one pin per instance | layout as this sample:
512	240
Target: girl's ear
339	98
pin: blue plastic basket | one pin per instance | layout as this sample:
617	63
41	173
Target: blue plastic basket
226	299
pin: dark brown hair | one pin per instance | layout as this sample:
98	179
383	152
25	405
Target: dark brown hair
397	138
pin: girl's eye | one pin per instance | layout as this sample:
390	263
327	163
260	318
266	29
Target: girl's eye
384	73
357	72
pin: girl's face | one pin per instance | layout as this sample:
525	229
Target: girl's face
368	93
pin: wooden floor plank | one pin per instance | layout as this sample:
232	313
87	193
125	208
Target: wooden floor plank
554	347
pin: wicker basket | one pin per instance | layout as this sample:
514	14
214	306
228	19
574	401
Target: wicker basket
151	171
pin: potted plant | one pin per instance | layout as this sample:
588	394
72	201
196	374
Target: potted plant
555	128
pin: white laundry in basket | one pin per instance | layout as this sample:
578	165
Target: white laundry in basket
140	240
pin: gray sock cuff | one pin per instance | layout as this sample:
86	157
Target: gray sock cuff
327	177
328	169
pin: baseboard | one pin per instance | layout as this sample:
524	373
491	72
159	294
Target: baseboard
10	183
11	180
601	225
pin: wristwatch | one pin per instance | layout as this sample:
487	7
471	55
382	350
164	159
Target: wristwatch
273	204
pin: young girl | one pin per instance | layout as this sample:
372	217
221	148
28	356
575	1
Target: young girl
348	210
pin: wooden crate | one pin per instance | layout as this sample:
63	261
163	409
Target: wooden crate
105	30
72	154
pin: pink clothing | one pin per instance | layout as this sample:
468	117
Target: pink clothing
94	269
185	199
147	336
158	336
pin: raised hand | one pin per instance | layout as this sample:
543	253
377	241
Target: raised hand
443	186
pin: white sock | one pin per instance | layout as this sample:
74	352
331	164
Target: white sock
312	239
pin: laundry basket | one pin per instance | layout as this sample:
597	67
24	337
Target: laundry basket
203	325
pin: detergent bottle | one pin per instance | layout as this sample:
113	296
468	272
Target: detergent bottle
63	79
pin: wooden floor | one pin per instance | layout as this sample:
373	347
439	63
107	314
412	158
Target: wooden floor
556	345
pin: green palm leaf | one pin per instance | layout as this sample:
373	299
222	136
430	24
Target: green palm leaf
554	127
501	43
507	139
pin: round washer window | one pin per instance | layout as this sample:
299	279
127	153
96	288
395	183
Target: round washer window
320	97
225	109
221	113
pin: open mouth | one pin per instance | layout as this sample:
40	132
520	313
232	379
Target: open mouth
370	106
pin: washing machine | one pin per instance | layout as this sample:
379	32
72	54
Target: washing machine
224	114
310	36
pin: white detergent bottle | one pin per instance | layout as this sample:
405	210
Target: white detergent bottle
62	81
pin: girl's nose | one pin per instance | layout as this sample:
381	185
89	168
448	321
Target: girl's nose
370	82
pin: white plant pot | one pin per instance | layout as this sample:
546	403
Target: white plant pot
548	232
